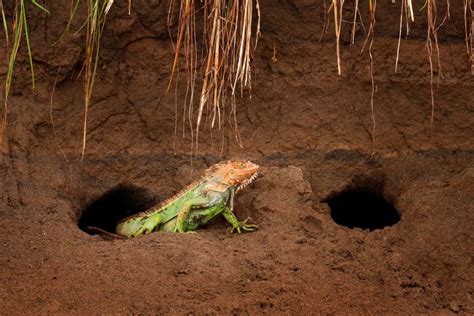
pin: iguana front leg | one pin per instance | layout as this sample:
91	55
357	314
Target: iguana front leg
183	213
236	224
233	220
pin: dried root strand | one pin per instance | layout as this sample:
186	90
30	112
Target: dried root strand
96	16
372	7
469	31
403	8
432	46
229	41
337	6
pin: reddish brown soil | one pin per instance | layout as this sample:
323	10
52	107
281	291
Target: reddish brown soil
309	129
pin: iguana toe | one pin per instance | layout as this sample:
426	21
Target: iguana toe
244	226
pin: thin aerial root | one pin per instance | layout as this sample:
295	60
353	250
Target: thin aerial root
432	35
371	69
469	31
356	11
402	7
325	21
337	8
226	58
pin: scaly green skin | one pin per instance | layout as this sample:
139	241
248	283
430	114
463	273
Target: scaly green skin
196	205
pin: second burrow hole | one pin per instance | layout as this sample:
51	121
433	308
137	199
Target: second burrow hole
363	204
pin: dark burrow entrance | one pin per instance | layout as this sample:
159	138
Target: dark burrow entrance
116	204
362	209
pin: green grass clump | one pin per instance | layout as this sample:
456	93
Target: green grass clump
20	30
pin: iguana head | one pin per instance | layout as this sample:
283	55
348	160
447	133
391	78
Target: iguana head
233	173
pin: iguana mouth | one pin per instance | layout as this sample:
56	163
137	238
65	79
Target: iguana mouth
247	182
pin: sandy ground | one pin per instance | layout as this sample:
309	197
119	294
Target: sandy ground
309	129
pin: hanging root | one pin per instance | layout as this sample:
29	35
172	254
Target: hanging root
338	6
226	61
96	16
406	9
469	31
325	21
403	9
432	46
372	8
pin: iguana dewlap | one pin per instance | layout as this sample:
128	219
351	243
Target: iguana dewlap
197	203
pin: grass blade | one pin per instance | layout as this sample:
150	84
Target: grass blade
42	8
4	20
27	40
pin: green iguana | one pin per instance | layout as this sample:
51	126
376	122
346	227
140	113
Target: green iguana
197	203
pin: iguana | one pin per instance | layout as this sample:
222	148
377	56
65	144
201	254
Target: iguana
197	203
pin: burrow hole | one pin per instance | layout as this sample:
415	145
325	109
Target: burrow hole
362	205
118	203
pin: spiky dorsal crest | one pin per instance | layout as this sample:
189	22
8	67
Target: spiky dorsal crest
219	177
165	202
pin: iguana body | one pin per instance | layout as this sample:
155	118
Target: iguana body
196	204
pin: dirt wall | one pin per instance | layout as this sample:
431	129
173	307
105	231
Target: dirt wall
309	129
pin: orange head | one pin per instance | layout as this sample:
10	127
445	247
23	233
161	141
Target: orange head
234	173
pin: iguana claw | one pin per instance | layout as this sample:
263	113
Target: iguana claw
246	227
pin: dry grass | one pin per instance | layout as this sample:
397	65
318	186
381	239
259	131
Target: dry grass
406	10
96	17
229	41
94	26
220	66
337	6
19	30
434	23
432	38
370	39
